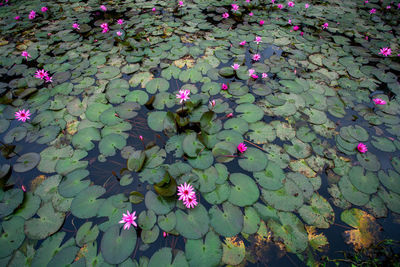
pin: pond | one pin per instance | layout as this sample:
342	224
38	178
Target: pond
199	133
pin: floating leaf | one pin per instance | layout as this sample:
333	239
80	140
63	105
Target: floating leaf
227	223
244	191
319	213
10	200
163	258
233	251
86	203
253	160
194	224
12	235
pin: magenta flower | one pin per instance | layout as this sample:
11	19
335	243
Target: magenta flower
22	115
256	57
242	147
224	87
120	21
153	9
17	17
247	1
280	6
41	74
212	103
76	26
44	9
251	14
105	28
258	40
388	7
48	79
290	4
242	43
307	5
128	219
264	75
362	148
103	7
25	54
32	14
262	22
272	1
183	95
180	3
190	202
289	21
230	115
235	7
251	72
254	76
235	66
296	28
302	33
185	191
325	25
372	11
379	101
225	15
386	51
119	33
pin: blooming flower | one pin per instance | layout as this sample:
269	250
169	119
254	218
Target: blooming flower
388	7
280	6
190	202
105	28
290	4
17	17
32	14
264	75
224	87
225	15
262	22
379	101
235	7
235	66
242	43
25	54
41	74
120	21
22	115
153	9
76	26
307	5
251	72
128	219
372	11
103	7
290	21
296	28
386	51
180	3
119	33
48	79
325	25
247	1
44	9
256	57
242	147
185	191
251	14
258	40
183	95
272	1
362	148
254	76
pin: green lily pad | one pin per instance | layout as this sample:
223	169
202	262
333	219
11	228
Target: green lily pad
319	213
167	222
351	193
254	160
369	161
238	89
29	206
194	224
272	177
250	113
10	200
64	257
94	111
117	244
150	236
108	72
224	151
110	143
391	199
391	180
299	150
228	222
86	204
383	144
204	253
50	155
244	191
67	165
219	194
191	145
261	133
72	184
251	221
239	125
158	204
147	219
203	160
26	162
155	120
288	198
84	137
12	235
367	183
157	84
163	258
233	253
86	234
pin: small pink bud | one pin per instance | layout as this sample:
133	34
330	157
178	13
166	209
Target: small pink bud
23	188
230	115
141	137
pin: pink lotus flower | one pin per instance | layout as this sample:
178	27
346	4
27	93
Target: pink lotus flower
251	14
44	9
22	115
280	6
251	72
224	87
264	75
25	54
386	51
307	5
254	76
32	14
225	15
242	147
372	11
325	25
17	17
183	95
105	28
141	138
362	148
242	43
379	101
262	22
128	219
258	40
185	191
296	28
180	3
256	57
119	33
290	4
235	7
190	202
235	66
76	26
103	7
120	21
41	74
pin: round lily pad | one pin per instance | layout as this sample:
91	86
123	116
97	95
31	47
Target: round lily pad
10	200
319	213
158	204
391	180
204	253
237	124
163	258
147	219
167	222
351	193
157	84
86	234
369	161
272	177
254	160
224	151
110	143
155	120
12	235
288	198
367	183
219	194
228	222
84	137
251	221
194	224
86	203
233	252
244	191
203	160
250	112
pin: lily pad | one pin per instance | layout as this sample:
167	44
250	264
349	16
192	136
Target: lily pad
10	200
86	204
12	235
228	222
319	213
367	183
204	253
254	160
244	191
194	224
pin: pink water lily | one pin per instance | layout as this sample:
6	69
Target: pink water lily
25	54
119	33
224	87
379	101
235	66
296	28
251	14
186	191
76	26
128	219
183	95
325	25
386	51
103	7
180	4
48	79
262	22
256	57
40	74
105	28
225	15
251	72
290	4
264	75
22	115
254	76
234	7
17	17
372	11
212	103
258	40
229	115
190	202
307	5
32	14
44	9
153	9
120	21
362	148
242	43
280	6
242	147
